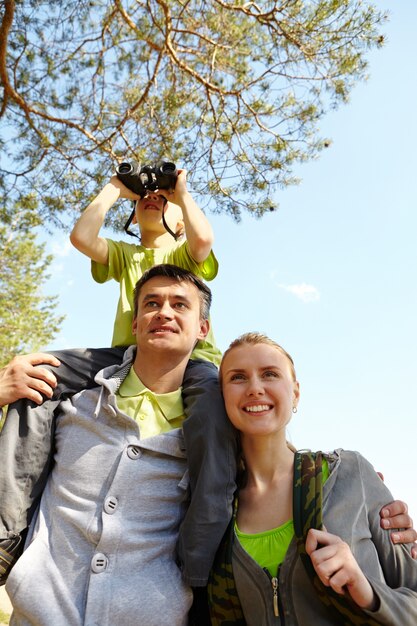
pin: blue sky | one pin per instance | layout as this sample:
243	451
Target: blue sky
331	275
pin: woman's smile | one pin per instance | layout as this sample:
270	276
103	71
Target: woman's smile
257	408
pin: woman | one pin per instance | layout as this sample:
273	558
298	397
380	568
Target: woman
346	572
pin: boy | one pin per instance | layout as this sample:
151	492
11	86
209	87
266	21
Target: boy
126	262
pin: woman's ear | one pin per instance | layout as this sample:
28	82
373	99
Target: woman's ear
296	393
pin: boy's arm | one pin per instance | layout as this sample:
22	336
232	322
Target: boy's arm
85	234
198	230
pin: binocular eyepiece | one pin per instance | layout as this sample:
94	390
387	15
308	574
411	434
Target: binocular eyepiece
140	180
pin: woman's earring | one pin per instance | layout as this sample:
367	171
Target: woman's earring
294	409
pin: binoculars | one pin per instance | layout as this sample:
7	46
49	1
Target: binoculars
140	180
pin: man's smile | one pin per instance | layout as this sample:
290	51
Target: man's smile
163	329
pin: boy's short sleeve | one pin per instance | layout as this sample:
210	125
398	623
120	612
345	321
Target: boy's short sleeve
119	254
207	270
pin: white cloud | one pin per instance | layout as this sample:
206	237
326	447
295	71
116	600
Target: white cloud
306	293
302	291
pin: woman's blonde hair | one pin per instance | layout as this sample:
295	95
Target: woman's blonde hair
253	339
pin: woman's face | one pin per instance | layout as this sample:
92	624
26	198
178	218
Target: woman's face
258	389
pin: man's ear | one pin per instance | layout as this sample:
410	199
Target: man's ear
204	329
134	326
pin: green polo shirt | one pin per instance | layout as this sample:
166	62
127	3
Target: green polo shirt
154	412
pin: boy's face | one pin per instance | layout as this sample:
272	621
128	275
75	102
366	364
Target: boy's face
169	317
149	211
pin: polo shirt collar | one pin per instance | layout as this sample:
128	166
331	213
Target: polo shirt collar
170	403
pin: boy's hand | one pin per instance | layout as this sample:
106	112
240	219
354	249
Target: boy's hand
124	192
395	515
22	379
337	568
177	194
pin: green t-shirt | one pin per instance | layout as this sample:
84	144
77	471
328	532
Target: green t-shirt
127	263
269	548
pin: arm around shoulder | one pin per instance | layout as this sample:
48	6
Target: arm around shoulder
21	378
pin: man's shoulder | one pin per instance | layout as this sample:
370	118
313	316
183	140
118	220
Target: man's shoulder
110	377
116	374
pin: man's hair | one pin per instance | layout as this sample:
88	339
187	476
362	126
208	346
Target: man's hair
180	275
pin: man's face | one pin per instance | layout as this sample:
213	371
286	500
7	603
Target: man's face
168	317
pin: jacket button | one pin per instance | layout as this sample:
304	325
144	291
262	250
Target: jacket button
133	452
110	505
99	563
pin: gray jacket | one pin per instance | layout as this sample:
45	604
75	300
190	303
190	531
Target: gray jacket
352	498
102	548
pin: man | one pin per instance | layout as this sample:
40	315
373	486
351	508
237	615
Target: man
102	547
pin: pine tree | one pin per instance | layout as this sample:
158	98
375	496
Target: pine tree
232	90
27	317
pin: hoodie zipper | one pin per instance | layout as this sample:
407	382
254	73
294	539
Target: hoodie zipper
275	591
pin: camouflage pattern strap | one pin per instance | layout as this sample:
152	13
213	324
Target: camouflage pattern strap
307	512
10	551
307	495
224	603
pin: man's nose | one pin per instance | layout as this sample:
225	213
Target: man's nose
166	311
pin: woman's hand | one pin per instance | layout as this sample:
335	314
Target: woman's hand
337	568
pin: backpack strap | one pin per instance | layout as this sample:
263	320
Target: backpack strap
307	512
224	603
